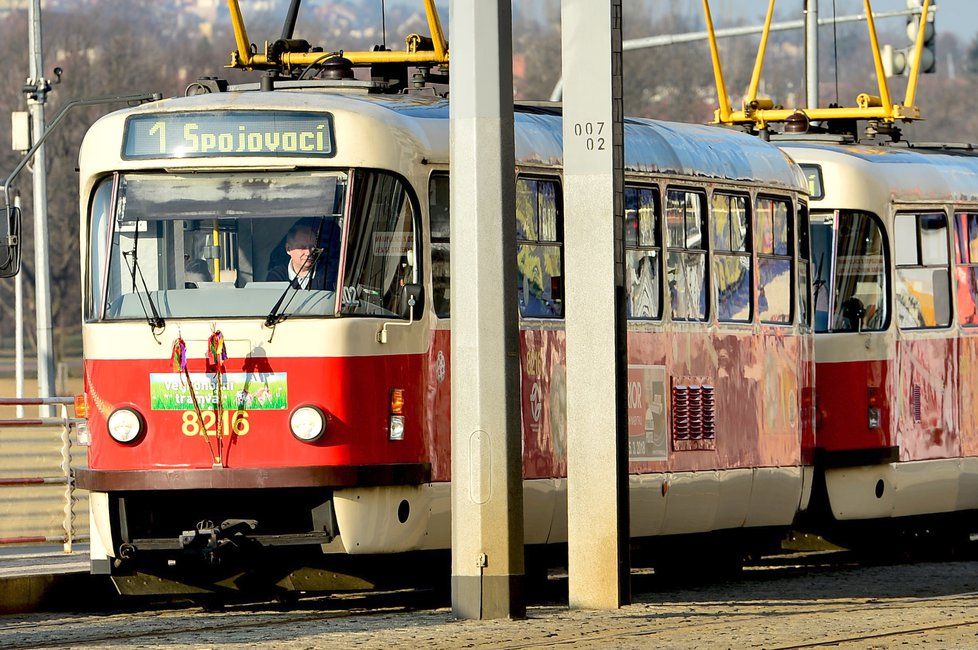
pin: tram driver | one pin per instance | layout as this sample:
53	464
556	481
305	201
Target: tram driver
300	244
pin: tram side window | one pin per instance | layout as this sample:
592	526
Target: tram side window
966	225
686	261
643	256
539	249
101	213
381	251
774	290
440	249
923	280
849	288
732	257
804	267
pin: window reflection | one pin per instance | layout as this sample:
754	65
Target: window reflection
539	252
966	235
686	262
642	256
922	280
775	286
732	262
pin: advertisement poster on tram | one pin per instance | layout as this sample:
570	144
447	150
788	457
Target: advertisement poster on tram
647	439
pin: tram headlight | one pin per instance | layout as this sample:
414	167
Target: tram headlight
308	423
125	425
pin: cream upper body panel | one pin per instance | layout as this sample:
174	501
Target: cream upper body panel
875	179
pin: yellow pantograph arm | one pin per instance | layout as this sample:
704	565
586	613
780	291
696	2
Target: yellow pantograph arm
755	79
877	60
717	68
918	49
240	33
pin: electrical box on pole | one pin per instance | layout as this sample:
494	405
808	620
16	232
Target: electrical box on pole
20	131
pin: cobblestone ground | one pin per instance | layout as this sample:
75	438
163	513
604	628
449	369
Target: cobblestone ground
772	607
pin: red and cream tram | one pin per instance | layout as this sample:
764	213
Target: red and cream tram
258	386
893	235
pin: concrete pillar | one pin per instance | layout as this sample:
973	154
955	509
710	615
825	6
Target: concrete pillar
487	486
597	459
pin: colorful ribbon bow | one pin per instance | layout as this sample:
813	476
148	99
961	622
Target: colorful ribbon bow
179	355
216	351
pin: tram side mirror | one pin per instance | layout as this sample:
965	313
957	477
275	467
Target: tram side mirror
853	311
412	299
10	242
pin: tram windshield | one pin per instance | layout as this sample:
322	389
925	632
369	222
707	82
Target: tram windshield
849	272
215	244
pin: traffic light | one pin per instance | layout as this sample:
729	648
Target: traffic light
898	61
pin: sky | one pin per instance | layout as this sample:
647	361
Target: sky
957	16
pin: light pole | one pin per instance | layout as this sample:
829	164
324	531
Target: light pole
811	53
37	88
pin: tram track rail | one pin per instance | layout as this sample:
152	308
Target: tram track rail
881	635
621	633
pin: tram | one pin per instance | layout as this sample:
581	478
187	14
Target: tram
892	225
893	228
267	335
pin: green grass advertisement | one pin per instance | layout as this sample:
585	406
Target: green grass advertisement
243	391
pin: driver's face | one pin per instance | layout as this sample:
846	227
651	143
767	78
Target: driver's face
299	250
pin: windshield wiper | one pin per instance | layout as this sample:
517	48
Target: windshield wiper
276	316
279	312
155	321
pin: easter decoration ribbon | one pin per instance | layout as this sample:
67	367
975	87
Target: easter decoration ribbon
179	357
217	354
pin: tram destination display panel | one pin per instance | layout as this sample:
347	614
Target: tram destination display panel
228	133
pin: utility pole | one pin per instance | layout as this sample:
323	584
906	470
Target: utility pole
811	53
37	89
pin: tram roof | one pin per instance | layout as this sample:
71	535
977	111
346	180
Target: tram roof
651	146
900	173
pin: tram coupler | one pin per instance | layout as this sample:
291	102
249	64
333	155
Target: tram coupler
209	539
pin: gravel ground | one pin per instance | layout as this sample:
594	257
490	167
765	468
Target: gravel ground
819	603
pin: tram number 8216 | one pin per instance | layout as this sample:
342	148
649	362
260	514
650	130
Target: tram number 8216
231	422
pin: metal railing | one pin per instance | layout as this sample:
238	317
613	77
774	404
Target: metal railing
67	425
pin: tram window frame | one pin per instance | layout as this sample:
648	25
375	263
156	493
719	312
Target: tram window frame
828	273
746	250
640	248
814	178
357	177
966	264
921	263
527	240
674	251
440	242
773	256
96	294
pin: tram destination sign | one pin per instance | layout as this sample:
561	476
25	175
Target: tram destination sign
228	133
